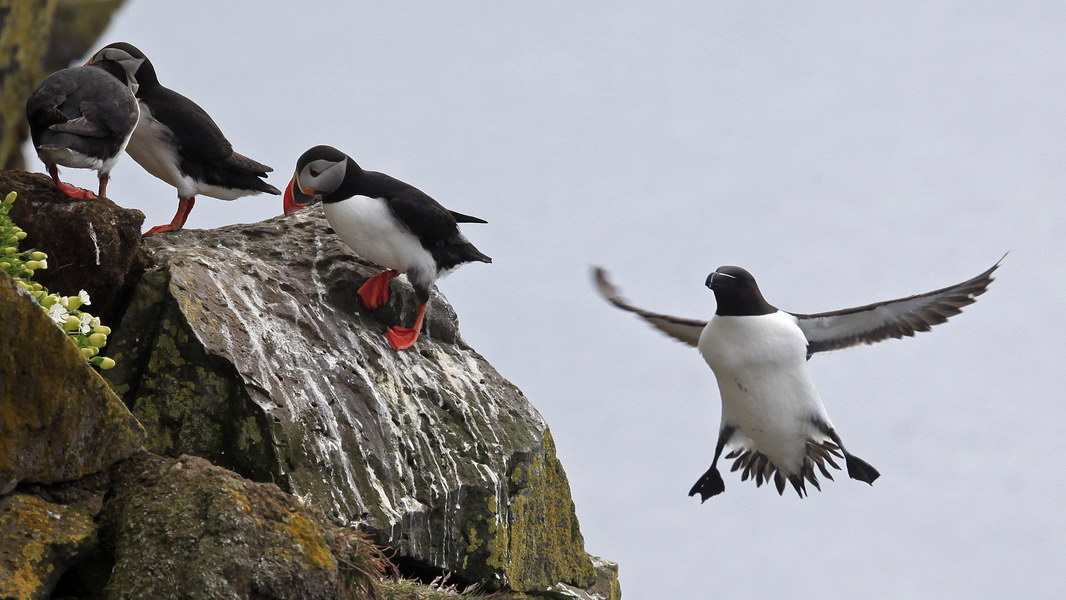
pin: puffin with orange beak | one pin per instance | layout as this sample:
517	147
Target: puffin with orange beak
385	221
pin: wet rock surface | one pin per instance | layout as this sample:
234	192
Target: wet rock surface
247	345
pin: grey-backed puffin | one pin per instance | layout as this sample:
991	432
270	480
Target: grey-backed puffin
386	221
83	117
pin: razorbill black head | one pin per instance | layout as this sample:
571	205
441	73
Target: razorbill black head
178	142
386	221
772	416
82	117
737	293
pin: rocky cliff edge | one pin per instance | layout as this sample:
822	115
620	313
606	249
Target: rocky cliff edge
246	346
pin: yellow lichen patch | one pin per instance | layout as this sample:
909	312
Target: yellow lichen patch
544	545
38	537
312	543
237	497
473	543
250	434
53	407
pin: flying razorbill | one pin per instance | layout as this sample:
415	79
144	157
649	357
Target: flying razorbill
386	221
178	142
772	416
83	117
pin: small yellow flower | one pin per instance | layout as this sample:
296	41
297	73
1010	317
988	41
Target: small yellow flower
98	340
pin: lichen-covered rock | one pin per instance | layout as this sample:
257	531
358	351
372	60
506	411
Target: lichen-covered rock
607	586
24	29
36	38
38	541
248	346
59	420
183	528
92	244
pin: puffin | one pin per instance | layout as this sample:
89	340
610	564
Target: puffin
178	142
385	221
773	419
83	117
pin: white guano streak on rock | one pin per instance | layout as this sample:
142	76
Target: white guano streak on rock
96	243
409	392
239	289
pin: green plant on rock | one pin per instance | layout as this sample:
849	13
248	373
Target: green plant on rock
65	311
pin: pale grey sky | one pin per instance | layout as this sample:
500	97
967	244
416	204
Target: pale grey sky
843	152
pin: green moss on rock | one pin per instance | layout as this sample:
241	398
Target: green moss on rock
544	545
24	36
59	420
213	535
188	402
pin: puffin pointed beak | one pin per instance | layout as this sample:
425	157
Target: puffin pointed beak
296	198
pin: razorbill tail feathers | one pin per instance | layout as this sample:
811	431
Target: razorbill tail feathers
386	221
178	142
83	117
772	417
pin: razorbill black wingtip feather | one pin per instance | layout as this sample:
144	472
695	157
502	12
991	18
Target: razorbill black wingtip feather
386	221
772	416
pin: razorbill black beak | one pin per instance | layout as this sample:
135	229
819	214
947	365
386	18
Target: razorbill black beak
716	277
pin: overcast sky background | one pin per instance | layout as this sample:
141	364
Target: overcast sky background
844	153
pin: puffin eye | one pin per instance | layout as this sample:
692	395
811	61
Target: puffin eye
313	172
